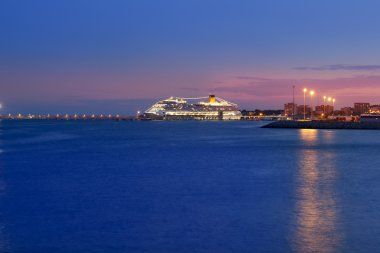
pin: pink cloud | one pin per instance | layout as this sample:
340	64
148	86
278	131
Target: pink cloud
250	91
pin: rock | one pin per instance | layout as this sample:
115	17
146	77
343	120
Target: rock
323	125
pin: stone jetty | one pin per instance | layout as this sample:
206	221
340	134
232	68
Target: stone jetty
323	125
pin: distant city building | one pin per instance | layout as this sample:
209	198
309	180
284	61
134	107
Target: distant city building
258	112
329	109
347	111
319	110
290	109
301	109
360	108
375	109
324	110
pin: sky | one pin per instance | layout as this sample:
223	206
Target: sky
120	56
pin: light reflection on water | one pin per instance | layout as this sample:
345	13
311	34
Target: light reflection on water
3	244
317	213
2	188
266	190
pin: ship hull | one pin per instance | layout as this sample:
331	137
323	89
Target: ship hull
194	116
153	116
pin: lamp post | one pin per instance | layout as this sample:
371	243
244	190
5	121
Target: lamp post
333	105
293	115
324	105
328	101
304	103
311	104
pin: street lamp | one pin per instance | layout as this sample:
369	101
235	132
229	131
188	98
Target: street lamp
311	104
324	105
304	103
328	101
333	105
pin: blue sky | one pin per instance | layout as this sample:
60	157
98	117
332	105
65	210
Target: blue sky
120	56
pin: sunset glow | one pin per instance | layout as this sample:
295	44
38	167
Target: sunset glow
89	58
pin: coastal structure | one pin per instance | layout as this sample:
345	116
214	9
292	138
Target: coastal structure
370	117
290	109
177	108
361	108
321	124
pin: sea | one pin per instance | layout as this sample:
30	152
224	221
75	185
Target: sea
186	186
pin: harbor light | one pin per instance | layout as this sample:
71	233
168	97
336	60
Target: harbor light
304	103
333	100
311	104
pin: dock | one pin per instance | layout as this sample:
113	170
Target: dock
323	125
68	117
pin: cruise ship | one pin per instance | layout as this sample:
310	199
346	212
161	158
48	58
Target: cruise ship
201	108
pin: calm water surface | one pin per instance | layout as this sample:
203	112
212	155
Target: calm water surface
88	186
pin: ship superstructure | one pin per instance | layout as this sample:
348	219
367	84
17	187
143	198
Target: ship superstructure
176	108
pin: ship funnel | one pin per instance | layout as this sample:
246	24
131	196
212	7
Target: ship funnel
211	99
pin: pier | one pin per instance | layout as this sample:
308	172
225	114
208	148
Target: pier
323	125
68	117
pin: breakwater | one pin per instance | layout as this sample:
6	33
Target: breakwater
67	117
323	125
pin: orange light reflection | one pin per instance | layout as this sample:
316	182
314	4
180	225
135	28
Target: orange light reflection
316	209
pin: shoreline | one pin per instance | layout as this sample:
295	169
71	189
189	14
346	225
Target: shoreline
324	125
89	118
